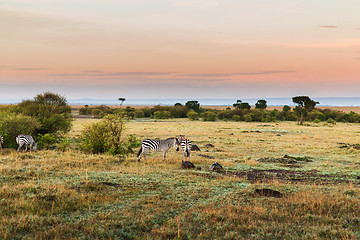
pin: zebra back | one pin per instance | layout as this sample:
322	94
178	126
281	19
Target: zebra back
159	145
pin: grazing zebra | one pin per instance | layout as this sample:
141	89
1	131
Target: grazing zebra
185	147
1	141
26	140
157	145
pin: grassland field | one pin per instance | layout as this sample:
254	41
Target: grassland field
50	194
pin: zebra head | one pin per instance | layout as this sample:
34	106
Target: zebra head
177	143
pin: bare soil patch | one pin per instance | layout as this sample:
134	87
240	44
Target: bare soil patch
293	176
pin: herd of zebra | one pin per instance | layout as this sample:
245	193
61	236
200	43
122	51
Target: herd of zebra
22	140
146	145
165	145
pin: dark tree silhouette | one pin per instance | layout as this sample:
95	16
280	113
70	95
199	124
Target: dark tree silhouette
194	105
244	105
122	100
237	104
261	104
304	106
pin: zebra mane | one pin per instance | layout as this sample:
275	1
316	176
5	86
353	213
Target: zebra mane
170	138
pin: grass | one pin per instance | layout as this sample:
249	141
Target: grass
53	194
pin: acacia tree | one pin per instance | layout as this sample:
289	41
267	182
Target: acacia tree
237	104
261	104
304	106
121	100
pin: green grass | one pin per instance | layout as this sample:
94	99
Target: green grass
71	195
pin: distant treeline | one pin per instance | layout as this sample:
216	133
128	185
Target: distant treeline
239	112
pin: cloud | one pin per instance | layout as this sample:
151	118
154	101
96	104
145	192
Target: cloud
328	26
238	74
93	73
29	69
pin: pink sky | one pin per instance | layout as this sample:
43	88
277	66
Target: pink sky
180	48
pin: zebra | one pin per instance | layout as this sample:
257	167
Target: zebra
157	145
26	140
185	147
1	142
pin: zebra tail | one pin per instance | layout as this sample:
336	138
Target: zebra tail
140	151
187	153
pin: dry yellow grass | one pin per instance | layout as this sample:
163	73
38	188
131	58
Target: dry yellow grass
68	195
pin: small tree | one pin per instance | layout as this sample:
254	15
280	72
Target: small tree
121	101
304	106
261	104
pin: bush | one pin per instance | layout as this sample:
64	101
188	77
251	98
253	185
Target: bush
236	118
192	115
162	115
209	116
139	113
106	136
11	125
331	121
47	140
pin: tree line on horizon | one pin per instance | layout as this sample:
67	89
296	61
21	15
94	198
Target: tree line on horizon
304	110
48	118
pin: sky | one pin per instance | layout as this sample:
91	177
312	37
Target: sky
139	49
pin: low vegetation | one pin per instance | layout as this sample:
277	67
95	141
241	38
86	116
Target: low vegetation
280	181
239	112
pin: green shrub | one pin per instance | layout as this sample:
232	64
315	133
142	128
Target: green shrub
12	124
209	116
162	115
236	118
106	136
317	120
139	113
47	140
192	115
98	113
332	121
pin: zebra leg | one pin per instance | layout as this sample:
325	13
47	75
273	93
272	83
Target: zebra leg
164	155
20	146
140	154
145	151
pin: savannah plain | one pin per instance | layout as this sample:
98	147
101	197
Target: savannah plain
52	194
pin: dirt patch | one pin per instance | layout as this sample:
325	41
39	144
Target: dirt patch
268	192
287	161
293	176
347	146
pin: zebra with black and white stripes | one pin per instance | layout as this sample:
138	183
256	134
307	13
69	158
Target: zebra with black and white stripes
26	140
157	146
185	147
1	142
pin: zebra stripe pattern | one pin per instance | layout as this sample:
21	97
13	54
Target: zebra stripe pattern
26	140
1	142
157	146
185	149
